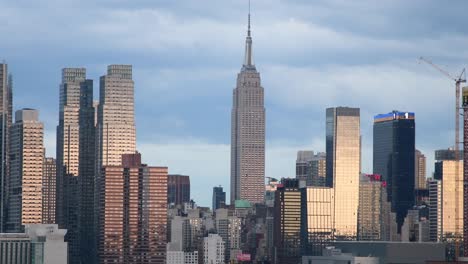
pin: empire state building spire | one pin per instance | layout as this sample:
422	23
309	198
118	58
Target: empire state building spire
248	60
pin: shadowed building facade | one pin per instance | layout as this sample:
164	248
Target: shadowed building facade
248	133
394	159
178	189
6	100
132	213
49	177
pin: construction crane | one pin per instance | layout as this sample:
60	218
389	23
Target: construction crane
458	80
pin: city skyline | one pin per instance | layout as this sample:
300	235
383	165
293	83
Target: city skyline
171	137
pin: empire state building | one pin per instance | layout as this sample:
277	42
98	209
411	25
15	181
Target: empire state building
248	132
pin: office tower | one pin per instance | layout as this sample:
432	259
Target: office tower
435	210
248	133
465	170
394	154
86	172
370	207
229	228
343	165
213	249
75	163
451	199
49	177
178	189
26	157
132	214
420	171
302	165
6	88
219	198
287	219
317	224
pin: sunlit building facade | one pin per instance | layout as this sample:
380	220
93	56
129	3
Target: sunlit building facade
132	213
420	171
451	198
343	148
317	223
26	157
370	207
248	133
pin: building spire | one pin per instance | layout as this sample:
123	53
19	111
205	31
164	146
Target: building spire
248	61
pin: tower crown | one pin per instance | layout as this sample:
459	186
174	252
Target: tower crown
248	59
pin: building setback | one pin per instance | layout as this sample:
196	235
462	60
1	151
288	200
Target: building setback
394	159
49	177
343	148
132	212
6	88
248	133
178	189
26	155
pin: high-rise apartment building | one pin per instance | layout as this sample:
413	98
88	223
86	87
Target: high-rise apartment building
229	228
49	177
213	249
343	148
6	87
76	164
132	214
370	207
465	170
394	159
317	223
248	133
302	165
420	171
435	210
287	235
26	157
178	189
219	198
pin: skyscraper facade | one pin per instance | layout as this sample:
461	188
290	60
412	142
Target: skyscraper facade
303	164
219	198
27	155
317	224
132	212
465	169
435	210
343	148
49	177
6	87
420	171
248	133
287	236
394	159
370	207
178	189
75	161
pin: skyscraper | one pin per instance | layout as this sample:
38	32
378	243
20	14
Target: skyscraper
287	236
219	198
49	177
343	145
6	85
75	161
311	168
435	210
420	171
248	133
132	212
27	155
303	165
370	207
178	189
465	170
394	154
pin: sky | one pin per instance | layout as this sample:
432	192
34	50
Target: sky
186	55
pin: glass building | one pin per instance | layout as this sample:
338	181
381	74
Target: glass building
178	189
343	152
394	159
219	198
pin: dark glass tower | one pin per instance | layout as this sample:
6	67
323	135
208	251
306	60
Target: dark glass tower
394	153
219	197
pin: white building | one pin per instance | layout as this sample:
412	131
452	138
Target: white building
43	243
181	257
213	249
